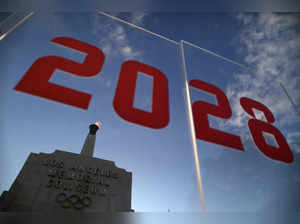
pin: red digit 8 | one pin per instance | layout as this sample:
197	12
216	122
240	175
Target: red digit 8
36	79
257	127
201	110
124	96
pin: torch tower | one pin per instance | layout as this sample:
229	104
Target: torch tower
89	143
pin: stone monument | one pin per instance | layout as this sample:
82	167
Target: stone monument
68	181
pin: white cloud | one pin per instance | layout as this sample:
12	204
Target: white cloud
271	48
295	148
245	18
115	41
108	83
294	135
137	18
126	50
293	139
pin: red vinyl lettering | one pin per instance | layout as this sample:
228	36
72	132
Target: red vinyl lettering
124	96
201	110
36	79
282	153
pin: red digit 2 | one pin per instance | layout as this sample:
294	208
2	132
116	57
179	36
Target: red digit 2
124	96
201	110
283	153
36	79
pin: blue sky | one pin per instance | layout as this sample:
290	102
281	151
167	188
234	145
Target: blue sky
162	160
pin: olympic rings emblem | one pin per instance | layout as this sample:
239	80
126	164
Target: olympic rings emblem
73	201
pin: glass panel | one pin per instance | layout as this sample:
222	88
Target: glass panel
158	153
243	168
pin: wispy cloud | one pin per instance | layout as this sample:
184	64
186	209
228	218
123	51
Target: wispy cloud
270	44
294	140
116	42
137	18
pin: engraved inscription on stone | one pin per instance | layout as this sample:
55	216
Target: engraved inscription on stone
64	180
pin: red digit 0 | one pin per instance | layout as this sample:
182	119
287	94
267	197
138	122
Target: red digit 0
124	96
36	79
283	153
201	110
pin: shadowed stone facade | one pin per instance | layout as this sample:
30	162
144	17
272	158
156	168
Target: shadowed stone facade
68	181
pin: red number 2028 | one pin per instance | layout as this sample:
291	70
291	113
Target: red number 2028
36	82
